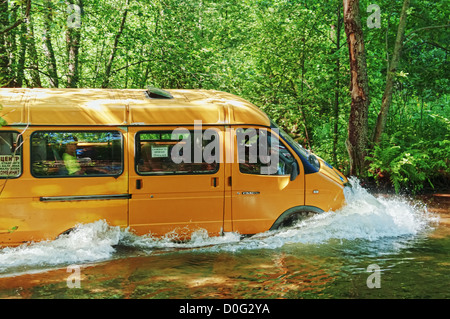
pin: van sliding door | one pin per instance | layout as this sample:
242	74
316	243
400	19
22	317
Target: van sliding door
176	181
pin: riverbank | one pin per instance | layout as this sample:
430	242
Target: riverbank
439	204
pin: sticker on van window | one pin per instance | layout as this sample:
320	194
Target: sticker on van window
10	165
160	151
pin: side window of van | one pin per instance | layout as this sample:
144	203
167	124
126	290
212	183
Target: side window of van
182	152
259	152
76	154
10	155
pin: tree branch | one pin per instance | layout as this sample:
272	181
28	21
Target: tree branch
128	65
413	33
20	21
38	70
437	45
115	45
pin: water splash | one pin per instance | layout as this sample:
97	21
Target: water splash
365	217
86	243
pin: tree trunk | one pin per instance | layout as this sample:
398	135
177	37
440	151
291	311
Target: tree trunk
12	72
22	55
114	48
387	96
73	38
48	47
358	122
32	55
305	122
5	27
11	48
5	76
337	87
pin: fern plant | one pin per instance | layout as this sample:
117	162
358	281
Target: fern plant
406	166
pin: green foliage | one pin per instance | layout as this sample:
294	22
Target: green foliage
285	56
405	167
411	160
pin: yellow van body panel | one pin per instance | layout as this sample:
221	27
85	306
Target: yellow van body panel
176	205
36	208
96	107
323	192
256	199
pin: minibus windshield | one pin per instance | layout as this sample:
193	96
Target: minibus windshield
306	154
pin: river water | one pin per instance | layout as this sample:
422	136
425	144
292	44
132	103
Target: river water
375	247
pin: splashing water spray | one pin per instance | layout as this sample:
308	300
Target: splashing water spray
364	217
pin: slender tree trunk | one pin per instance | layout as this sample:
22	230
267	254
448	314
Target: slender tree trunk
337	87
5	77
12	71
22	55
5	27
305	122
48	47
358	122
32	55
73	39
11	48
114	48
17	54
387	96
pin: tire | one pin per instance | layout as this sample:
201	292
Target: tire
295	215
66	232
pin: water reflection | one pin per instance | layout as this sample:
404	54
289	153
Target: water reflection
294	271
324	257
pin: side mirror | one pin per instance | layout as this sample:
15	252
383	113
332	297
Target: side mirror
294	170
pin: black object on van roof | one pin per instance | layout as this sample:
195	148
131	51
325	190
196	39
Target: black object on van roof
155	93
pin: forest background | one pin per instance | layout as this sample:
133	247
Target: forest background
289	57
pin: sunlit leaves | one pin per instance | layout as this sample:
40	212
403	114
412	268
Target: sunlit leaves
280	54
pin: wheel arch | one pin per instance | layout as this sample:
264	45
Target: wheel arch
291	212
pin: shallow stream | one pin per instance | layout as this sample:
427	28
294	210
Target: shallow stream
375	247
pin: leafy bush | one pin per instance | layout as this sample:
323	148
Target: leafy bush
409	165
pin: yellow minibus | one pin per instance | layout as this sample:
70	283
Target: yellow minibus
155	161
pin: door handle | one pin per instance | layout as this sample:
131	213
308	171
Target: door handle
138	183
214	181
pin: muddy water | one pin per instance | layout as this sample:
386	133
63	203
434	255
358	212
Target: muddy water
375	247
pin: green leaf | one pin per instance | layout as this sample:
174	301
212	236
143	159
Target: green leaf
13	229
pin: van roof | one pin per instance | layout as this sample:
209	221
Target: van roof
25	106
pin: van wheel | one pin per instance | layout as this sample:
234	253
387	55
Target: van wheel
295	215
295	218
67	232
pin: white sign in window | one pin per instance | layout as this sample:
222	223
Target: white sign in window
10	165
160	151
